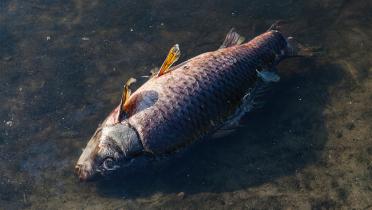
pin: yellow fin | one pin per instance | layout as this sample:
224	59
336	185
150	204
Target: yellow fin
127	91
125	96
173	55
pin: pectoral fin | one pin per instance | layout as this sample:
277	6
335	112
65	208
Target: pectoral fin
268	76
173	55
232	38
125	96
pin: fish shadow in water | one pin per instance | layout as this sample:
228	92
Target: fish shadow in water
285	136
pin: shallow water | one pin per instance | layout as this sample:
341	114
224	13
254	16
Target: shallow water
63	63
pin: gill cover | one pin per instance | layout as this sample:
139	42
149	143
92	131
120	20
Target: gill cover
113	144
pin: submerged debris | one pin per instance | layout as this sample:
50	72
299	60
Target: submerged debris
9	123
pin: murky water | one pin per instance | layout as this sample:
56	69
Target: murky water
63	63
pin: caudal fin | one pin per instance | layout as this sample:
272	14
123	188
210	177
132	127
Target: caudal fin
296	49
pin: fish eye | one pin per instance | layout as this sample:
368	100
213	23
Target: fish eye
109	164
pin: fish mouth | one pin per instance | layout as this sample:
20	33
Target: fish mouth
84	173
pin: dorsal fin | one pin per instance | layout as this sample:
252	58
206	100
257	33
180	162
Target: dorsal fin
124	97
232	38
173	55
254	99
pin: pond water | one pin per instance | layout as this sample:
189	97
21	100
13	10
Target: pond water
63	64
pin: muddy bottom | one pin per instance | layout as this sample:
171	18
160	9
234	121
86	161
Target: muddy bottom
63	64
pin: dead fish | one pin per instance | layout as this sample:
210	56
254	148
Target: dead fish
178	105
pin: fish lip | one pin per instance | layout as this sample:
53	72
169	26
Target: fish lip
83	174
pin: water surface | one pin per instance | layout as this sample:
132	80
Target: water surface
63	63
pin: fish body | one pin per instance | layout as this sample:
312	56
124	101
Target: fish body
186	103
197	96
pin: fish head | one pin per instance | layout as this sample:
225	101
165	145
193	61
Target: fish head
111	147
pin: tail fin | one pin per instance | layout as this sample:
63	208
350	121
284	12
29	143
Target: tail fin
296	49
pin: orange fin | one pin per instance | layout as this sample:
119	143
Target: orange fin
173	55
125	96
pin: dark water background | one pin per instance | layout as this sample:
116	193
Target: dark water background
63	63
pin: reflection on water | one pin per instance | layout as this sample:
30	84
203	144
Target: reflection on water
62	65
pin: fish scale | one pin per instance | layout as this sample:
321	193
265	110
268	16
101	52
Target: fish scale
197	96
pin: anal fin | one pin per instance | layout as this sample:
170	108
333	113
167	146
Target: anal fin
277	25
232	38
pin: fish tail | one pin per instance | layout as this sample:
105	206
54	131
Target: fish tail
296	49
